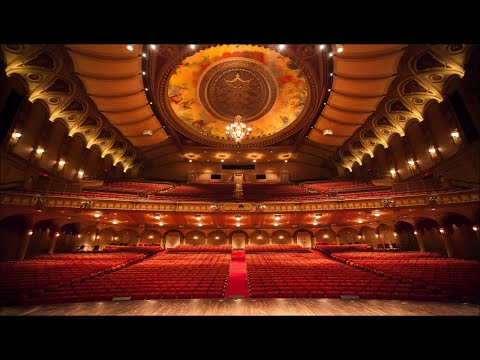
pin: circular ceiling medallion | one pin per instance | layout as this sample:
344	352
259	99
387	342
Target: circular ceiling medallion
237	86
203	92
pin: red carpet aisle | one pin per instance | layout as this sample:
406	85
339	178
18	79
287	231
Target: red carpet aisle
237	279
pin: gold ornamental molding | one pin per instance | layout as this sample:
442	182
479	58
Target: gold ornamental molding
42	201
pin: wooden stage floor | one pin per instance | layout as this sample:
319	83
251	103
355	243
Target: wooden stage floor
215	307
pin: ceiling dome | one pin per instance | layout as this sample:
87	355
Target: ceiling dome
207	89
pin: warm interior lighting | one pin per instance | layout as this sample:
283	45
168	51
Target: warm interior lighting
415	232
222	160
61	163
97	237
15	136
395	234
195	237
259	237
325	236
39	151
114	238
238	217
157	217
411	163
359	221
237	130
280	237
376	214
30	232
330	54
80	173
189	160
327	132
432	151
286	160
152	46
475	228
237	225
148	132
376	235
315	223
442	230
217	237
281	47
455	134
393	172
277	217
339	48
200	224
322	46
192	47
318	216
114	222
160	224
198	217
97	215
150	236
130	47
276	224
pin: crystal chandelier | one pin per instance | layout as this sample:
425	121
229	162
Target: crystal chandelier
238	130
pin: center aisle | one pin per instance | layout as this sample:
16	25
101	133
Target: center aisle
237	279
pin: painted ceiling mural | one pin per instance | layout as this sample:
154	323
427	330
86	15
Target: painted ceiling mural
209	88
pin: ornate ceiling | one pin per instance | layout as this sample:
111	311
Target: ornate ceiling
209	88
170	101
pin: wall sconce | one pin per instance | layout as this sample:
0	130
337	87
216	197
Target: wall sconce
475	228
376	235
433	152
325	236
57	234
456	136
238	217
30	232
411	164
217	237
318	216
442	230
198	217
80	173
115	238
39	152
79	236
15	136
395	234
195	237
150	236
415	232
61	164
277	217
97	237
280	237
393	172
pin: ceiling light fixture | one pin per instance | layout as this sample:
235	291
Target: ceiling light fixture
192	47
153	46
322	46
281	47
130	47
237	130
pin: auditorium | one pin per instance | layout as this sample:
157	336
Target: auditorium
239	179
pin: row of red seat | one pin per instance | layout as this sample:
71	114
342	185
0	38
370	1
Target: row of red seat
314	275
201	249
459	278
162	276
22	278
253	248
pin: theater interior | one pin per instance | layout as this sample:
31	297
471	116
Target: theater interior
239	179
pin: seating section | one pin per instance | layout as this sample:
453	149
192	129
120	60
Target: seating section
161	276
305	275
252	249
458	278
142	188
338	248
21	279
274	192
201	249
198	192
339	186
